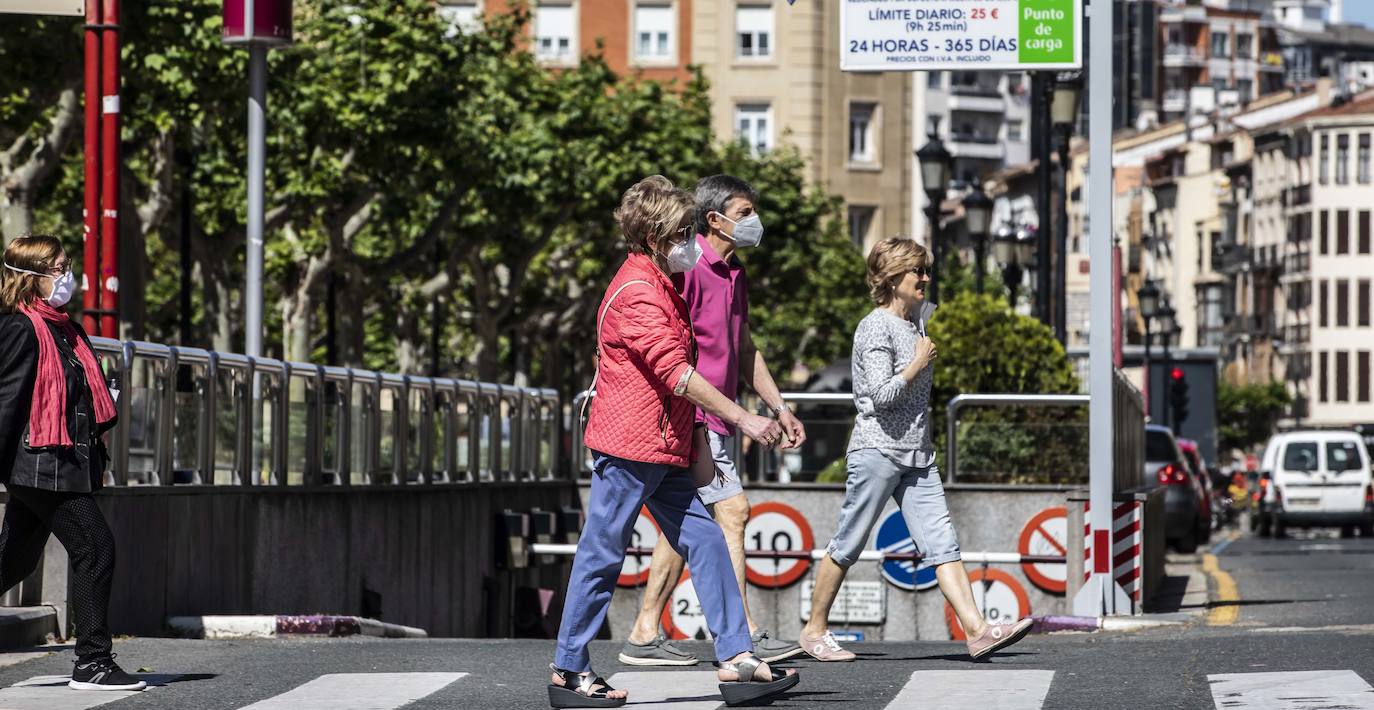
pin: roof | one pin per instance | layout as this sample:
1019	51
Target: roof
1353	36
1359	105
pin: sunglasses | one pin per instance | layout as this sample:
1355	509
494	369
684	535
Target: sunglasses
923	271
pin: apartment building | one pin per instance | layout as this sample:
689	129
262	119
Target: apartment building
1216	57
775	80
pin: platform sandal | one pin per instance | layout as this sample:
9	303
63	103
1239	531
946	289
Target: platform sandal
579	690
747	689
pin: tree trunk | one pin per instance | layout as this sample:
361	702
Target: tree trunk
16	213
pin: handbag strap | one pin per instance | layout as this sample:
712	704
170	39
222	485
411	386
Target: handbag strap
601	318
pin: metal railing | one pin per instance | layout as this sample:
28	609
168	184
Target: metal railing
189	416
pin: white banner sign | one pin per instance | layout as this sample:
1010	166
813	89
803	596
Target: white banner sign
856	603
921	35
44	7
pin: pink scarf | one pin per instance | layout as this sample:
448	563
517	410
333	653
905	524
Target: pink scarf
47	413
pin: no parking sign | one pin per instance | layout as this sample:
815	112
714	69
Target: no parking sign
635	570
999	597
776	527
683	618
893	536
1046	533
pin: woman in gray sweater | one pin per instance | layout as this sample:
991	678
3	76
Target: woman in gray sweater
890	453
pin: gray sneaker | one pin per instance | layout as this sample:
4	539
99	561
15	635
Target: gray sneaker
659	652
771	649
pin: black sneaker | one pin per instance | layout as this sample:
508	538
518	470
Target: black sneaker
103	674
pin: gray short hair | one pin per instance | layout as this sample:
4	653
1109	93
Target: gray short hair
714	194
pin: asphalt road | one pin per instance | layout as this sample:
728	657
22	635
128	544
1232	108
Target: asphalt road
1298	633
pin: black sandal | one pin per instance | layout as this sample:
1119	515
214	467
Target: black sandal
577	691
746	689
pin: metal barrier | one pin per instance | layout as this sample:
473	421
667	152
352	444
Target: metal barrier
959	402
195	417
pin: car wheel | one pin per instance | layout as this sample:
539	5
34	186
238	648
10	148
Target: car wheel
1204	530
1280	530
1367	528
1266	525
1188	543
1347	531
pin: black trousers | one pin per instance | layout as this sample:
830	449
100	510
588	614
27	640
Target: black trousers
80	526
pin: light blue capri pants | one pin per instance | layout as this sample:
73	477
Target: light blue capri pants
919	494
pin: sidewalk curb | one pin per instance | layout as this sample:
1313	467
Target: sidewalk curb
268	626
1052	624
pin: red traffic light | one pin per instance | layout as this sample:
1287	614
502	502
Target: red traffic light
1176	374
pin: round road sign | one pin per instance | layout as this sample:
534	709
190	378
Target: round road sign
776	527
997	594
893	536
682	618
1046	533
635	570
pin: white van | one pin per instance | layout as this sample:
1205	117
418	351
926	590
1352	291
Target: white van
1316	478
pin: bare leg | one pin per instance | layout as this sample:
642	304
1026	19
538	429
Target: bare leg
829	576
732	514
665	569
958	592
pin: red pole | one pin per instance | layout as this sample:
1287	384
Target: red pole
109	170
90	212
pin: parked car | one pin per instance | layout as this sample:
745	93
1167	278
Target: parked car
1186	522
1211	507
1316	479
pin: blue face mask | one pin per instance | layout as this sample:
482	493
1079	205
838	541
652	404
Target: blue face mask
748	231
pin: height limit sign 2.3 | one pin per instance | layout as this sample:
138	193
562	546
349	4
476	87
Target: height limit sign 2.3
924	35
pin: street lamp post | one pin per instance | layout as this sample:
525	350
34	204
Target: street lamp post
977	215
1168	328
935	169
1148	299
1012	248
1064	114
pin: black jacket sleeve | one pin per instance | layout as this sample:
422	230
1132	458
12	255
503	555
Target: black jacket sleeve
18	362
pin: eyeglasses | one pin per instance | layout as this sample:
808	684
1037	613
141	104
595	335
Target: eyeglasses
923	271
60	268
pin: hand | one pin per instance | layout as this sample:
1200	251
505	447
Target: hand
796	433
925	351
761	429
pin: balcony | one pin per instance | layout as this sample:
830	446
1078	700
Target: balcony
978	102
976	145
976	88
1271	62
1182	55
1191	14
1299	196
1297	264
1230	258
1174	101
1295	336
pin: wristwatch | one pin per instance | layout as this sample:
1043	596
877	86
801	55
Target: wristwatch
779	409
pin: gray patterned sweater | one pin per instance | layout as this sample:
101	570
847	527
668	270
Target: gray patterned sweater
893	415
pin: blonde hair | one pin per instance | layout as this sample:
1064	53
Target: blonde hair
651	212
889	262
30	253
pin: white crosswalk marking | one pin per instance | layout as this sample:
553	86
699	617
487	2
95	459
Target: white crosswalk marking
358	691
50	692
670	690
959	690
1295	690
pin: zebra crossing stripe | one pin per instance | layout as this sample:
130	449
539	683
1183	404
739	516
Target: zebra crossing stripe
1295	690
358	691
670	690
50	692
960	690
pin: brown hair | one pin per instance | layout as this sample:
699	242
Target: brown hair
30	253
889	262
651	212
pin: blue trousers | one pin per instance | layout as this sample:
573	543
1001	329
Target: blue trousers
619	488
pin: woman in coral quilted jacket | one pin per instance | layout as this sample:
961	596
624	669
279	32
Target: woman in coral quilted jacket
641	435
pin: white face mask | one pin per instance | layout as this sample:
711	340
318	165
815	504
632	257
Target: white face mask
748	231
62	286
682	257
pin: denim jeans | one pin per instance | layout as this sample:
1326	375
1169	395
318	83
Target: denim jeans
919	494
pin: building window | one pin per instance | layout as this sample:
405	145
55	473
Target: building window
1246	89
1342	159
1322	363
461	16
653	31
934	79
1221	45
1342	232
1245	45
754	127
1323	302
860	221
1016	84
1342	303
1362	375
1342	376
754	28
861	132
1364	231
1362	174
1324	233
553	32
1362	303
1324	158
1015	131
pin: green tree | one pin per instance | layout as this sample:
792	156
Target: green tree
1247	413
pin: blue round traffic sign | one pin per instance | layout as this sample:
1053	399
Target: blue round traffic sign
893	536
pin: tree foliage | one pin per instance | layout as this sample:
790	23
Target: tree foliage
1248	413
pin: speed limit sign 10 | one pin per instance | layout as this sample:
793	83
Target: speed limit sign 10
1000	598
776	527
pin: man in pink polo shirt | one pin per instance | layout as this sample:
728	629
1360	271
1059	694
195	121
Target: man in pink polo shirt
717	293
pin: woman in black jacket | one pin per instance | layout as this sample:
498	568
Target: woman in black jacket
54	406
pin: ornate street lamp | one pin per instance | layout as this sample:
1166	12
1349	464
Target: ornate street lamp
1013	249
1064	107
1148	299
936	165
977	215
